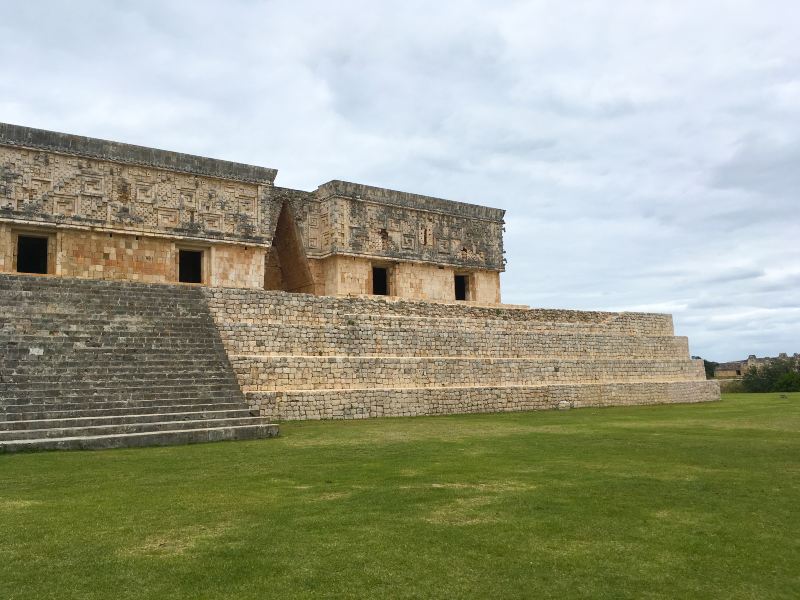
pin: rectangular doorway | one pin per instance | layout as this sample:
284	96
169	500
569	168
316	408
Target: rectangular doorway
31	254
380	281
190	266
462	287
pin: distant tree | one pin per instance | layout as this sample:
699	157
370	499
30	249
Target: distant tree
710	367
755	380
788	382
778	375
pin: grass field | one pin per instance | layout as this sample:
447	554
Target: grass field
692	501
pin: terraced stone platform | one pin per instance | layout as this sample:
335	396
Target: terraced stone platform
96	364
309	357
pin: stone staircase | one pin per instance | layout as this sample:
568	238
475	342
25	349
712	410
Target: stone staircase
307	357
98	364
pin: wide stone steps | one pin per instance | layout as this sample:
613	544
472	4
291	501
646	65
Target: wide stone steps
23	366
96	364
100	339
47	331
122	353
60	312
62	384
51	396
43	419
126	427
111	379
167	437
119	315
90	403
55	412
257	373
50	333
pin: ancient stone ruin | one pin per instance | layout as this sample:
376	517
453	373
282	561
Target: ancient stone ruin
150	297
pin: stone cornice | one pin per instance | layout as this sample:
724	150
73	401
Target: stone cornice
368	193
40	139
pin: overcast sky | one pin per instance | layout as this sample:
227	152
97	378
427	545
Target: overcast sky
647	153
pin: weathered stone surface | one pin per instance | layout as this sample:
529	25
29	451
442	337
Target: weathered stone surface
307	357
93	364
82	192
377	222
410	402
92	360
86	147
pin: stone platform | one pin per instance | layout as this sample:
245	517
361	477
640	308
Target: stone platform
98	364
299	356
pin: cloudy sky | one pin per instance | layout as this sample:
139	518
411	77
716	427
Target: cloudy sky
647	153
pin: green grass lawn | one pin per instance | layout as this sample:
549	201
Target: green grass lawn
689	501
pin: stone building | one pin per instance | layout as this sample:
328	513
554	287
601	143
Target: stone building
81	207
736	369
149	297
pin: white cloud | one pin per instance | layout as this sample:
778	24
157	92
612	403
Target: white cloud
646	152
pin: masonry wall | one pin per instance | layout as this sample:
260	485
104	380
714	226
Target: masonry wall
113	256
258	307
336	372
307	357
237	266
486	287
352	276
322	242
91	255
371	403
6	248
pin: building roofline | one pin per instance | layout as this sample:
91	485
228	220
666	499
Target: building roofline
42	139
100	149
381	195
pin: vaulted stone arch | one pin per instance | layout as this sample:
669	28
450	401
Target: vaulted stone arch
287	266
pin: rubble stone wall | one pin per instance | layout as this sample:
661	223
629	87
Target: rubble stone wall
415	336
362	404
258	307
276	373
309	357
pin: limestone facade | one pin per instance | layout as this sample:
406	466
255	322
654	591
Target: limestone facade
116	211
346	302
91	254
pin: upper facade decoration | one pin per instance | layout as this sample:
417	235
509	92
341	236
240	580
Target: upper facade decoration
363	220
60	178
73	181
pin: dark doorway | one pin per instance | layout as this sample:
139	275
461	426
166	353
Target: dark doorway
380	281
190	266
31	254
462	282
